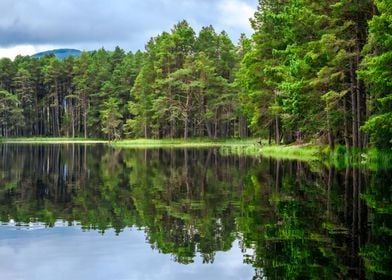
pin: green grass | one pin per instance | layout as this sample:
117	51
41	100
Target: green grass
292	152
249	147
181	143
50	140
340	158
302	152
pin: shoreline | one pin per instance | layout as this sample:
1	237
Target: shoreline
250	146
247	147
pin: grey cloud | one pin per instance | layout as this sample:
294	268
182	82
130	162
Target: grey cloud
128	23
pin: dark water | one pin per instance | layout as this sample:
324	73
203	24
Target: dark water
94	212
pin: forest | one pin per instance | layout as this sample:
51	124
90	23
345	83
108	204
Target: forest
312	71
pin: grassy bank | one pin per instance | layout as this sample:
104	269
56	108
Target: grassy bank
340	158
304	152
181	143
139	143
249	147
293	152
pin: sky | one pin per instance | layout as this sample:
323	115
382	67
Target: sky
30	26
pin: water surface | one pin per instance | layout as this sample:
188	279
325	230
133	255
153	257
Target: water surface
93	212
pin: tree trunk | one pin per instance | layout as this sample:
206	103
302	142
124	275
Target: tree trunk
216	125
186	126
85	124
331	140
346	122
145	131
277	130
360	107
208	127
270	133
186	115
243	127
354	104
72	120
56	111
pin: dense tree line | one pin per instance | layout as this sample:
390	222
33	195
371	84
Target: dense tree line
320	71
185	87
310	71
182	85
85	96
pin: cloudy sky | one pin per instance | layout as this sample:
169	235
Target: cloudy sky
30	26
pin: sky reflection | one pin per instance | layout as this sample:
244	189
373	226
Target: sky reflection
70	253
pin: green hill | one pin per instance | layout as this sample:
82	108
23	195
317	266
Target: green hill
59	53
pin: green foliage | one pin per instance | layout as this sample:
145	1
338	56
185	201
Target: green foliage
11	117
377	74
380	128
183	88
298	79
311	72
182	85
111	118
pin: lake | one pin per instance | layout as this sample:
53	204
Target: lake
77	211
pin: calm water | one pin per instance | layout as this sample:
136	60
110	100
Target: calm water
94	212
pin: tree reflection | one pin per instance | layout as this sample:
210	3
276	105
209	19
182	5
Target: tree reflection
377	253
304	224
187	200
294	220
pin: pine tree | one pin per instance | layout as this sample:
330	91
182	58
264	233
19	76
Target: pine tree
377	73
111	118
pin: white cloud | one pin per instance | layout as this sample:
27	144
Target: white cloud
91	24
236	13
12	52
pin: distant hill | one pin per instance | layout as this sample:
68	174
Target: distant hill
59	53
